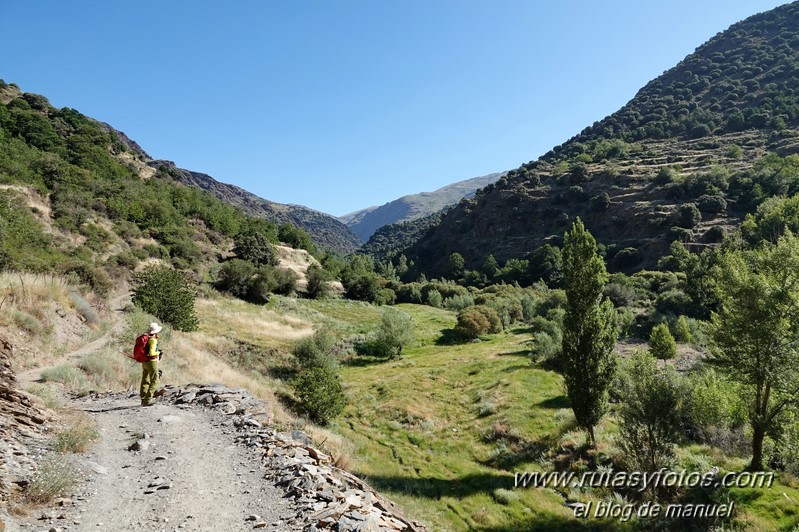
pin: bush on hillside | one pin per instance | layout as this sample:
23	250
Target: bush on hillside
717	411
688	216
255	247
661	342
168	295
650	413
319	280
315	351
394	333
478	320
320	393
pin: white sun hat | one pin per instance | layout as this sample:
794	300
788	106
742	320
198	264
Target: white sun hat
154	328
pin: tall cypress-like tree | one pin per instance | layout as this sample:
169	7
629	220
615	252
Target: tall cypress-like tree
589	329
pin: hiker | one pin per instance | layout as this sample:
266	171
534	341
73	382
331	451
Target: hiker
149	368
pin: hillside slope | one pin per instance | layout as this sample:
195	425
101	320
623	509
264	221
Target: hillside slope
413	206
324	229
696	135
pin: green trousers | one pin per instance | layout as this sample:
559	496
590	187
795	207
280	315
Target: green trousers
149	380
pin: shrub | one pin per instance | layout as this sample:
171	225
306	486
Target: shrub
410	293
364	287
319	280
28	323
715	234
712	204
600	202
504	496
688	216
661	342
395	332
477	320
315	351
434	298
626	258
459	302
255	247
53	479
77	436
94	277
716	406
166	294
674	301
622	295
385	296
320	393
682	330
235	277
66	375
650	413
508	309
666	175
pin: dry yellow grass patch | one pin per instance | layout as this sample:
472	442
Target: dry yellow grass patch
195	358
249	323
298	261
128	159
32	198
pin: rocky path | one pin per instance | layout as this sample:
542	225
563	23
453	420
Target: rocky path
168	467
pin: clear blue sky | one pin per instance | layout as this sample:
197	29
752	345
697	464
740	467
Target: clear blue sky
339	105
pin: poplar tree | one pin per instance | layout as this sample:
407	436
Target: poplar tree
755	332
589	330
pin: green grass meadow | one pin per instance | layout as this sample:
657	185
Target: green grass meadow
442	430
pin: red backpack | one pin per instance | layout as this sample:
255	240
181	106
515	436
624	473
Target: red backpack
140	349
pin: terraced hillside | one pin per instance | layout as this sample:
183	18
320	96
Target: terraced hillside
696	135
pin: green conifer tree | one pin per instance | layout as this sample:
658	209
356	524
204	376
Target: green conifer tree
589	329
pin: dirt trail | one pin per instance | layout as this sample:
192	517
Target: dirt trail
188	475
116	304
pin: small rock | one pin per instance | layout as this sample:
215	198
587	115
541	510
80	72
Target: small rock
160	457
253	517
261	524
97	468
139	445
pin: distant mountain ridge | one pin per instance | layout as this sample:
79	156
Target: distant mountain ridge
366	222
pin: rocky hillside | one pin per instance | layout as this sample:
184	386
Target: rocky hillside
693	151
22	426
413	206
324	229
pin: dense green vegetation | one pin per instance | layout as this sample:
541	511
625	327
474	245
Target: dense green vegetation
500	352
106	218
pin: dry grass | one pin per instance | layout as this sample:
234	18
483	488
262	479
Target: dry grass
54	479
341	450
77	433
25	291
47	394
41	313
222	316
